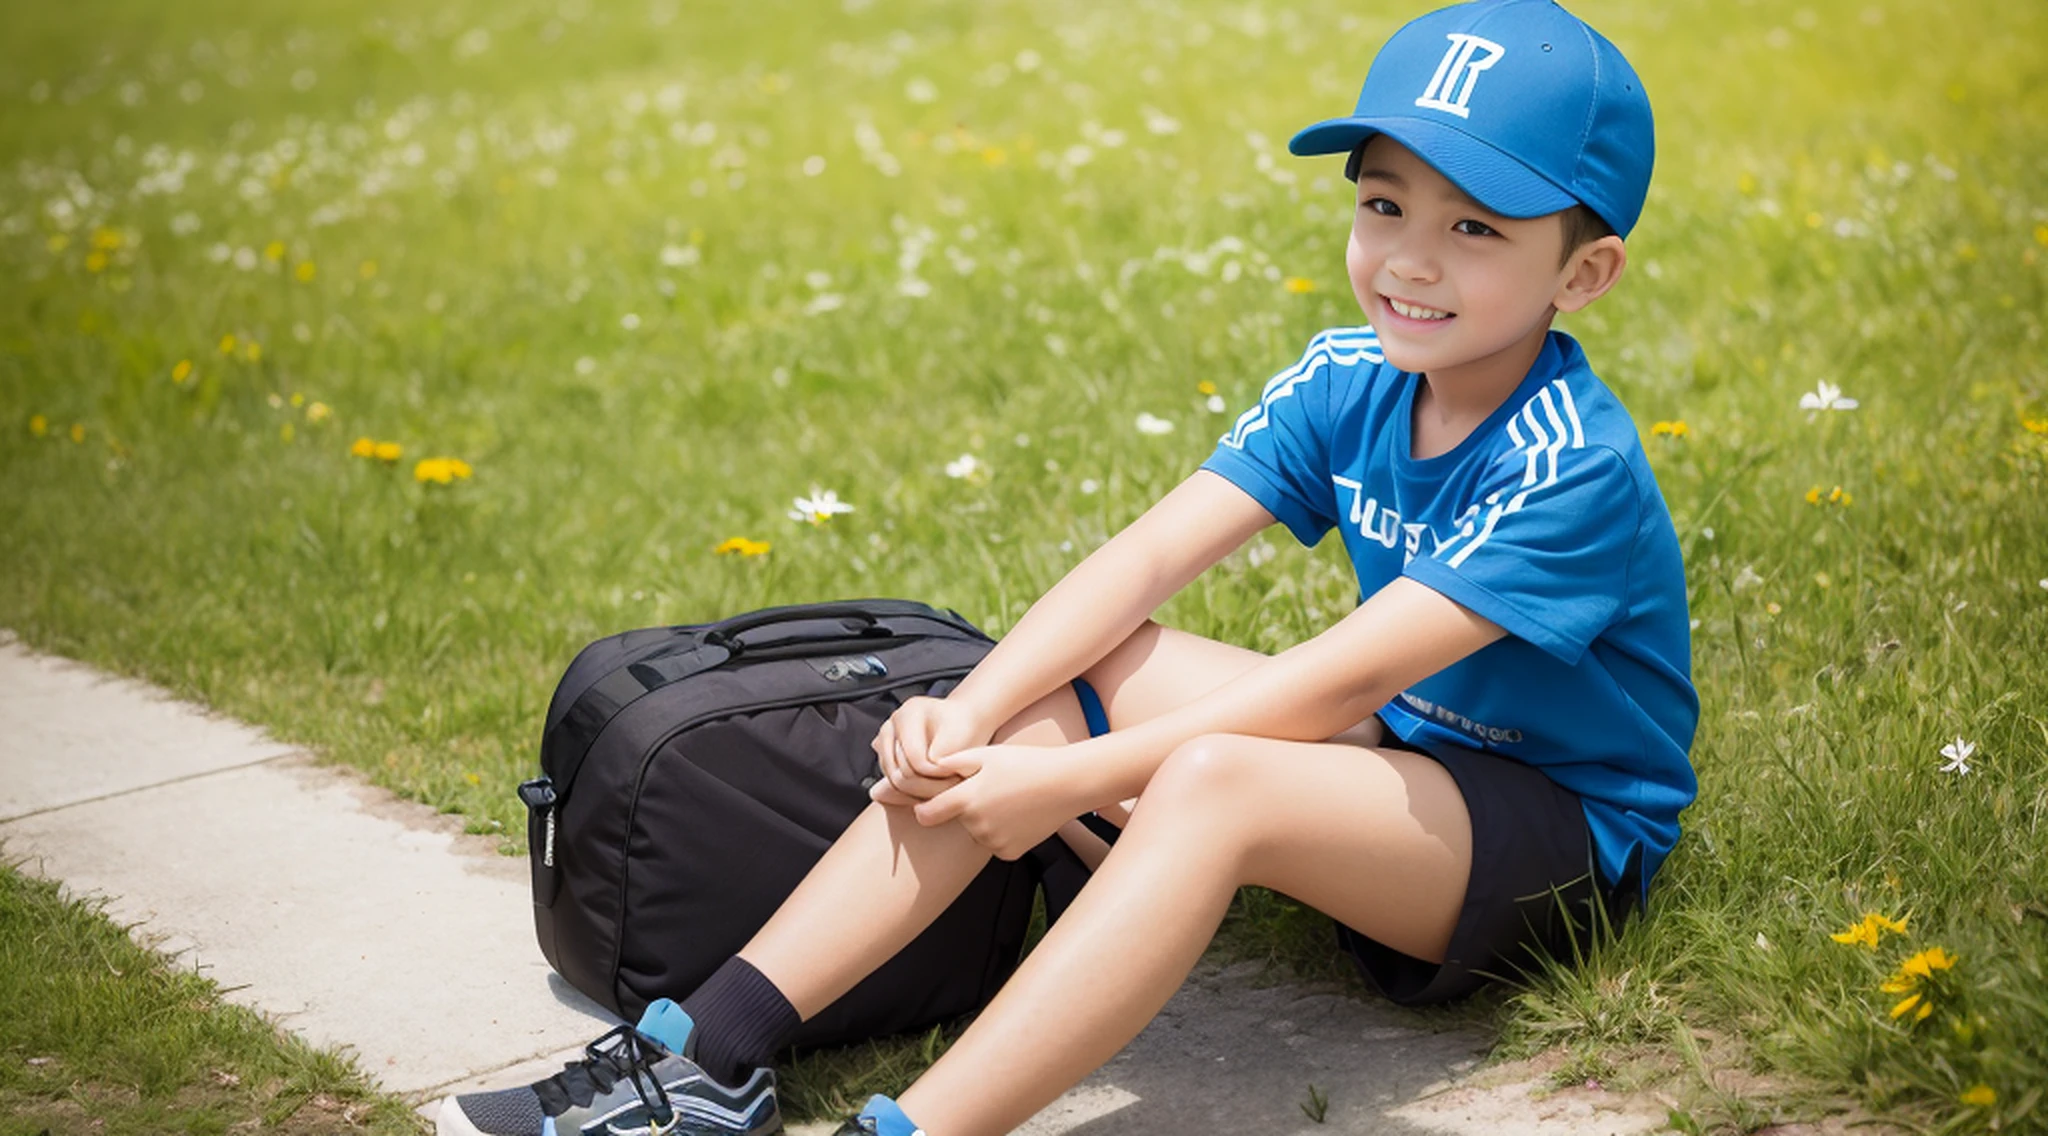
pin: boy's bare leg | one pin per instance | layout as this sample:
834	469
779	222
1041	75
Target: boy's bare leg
887	877
882	883
1379	839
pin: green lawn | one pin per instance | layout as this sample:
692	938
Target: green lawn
103	1036
653	271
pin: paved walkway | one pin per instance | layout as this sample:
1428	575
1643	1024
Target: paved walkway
358	920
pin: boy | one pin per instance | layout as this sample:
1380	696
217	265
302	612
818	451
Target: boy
1492	743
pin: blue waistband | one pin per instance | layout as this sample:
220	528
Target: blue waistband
1091	708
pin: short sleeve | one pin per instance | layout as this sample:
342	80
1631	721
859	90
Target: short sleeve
1545	551
1279	451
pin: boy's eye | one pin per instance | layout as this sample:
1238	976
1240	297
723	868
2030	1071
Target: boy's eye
1381	206
1473	228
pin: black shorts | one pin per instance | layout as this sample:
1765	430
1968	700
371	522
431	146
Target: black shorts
1534	885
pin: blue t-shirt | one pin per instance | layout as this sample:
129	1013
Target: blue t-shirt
1545	520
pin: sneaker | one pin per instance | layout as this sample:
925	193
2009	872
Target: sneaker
633	1081
880	1117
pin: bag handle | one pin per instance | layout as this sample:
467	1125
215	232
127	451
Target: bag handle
802	623
814	623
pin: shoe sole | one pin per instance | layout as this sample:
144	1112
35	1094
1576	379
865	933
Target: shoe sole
451	1121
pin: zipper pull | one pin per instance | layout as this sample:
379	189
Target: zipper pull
539	793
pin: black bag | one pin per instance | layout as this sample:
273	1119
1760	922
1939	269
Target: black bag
693	775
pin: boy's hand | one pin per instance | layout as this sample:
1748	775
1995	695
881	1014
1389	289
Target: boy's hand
1009	799
910	743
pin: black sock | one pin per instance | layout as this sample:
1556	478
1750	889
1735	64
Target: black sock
740	1021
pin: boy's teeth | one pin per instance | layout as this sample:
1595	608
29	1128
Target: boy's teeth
1414	312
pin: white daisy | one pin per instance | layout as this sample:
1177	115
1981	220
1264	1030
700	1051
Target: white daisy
1825	396
819	507
1958	752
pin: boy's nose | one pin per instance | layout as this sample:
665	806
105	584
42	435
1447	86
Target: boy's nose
1409	262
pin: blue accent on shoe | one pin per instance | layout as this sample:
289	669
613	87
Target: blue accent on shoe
888	1117
1091	708
547	1126
665	1022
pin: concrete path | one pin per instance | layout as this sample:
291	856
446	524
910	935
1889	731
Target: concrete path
361	921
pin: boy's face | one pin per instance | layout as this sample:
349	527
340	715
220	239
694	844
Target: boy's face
1445	282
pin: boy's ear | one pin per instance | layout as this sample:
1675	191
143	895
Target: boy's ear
1590	272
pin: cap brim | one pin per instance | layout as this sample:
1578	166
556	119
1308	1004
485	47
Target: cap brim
1487	175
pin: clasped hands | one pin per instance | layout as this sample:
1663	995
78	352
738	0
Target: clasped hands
936	760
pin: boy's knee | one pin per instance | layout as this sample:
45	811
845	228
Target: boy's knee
1210	770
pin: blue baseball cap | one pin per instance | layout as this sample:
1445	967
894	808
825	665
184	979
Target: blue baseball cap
1518	102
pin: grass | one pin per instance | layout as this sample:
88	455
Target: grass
653	272
103	1035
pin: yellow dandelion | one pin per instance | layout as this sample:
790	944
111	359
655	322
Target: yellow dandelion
440	471
182	371
38	425
1746	184
1299	285
227	344
1772	608
1814	220
1673	429
1912	979
252	351
993	156
367	269
1924	964
1979	1095
274	251
57	243
1917	1005
106	239
317	412
1813	495
472	778
77	432
305	271
2034	425
363	448
741	546
1205	387
297	400
1840	496
1966	252
387	451
1866	931
95	261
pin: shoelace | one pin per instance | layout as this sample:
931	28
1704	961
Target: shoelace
632	1058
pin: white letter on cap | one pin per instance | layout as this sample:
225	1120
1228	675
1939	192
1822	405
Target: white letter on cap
1451	87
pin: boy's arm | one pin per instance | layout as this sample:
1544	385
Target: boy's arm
1403	633
1092	609
1400	635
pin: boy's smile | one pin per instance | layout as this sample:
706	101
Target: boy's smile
1453	289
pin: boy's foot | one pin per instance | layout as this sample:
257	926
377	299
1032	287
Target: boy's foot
630	1082
880	1117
